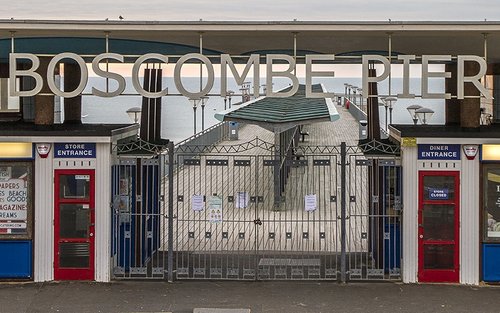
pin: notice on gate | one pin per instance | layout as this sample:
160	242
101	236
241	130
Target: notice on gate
242	199
197	203
310	202
214	204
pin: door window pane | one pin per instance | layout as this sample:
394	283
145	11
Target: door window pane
74	220
74	186
438	222
439	187
74	255
439	256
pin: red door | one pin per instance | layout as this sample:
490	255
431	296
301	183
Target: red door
74	225
438	231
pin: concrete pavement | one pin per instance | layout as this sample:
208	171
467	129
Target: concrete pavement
259	297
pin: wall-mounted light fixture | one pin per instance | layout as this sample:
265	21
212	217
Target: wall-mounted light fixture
43	149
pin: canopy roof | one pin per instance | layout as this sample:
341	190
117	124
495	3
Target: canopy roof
279	114
240	38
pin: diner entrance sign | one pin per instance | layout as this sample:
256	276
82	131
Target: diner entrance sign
438	152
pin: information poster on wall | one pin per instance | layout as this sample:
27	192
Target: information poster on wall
214	209
13	202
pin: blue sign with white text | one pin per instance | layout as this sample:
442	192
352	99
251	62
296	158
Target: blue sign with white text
438	152
438	193
74	150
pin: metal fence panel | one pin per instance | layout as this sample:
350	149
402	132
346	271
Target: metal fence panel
248	212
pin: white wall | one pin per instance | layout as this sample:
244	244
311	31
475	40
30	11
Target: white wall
44	211
469	214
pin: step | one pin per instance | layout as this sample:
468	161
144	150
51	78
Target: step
216	310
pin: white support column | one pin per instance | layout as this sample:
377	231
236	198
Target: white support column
410	214
103	213
469	221
43	269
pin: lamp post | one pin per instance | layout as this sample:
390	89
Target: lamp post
424	115
354	88
195	104
386	106
360	93
135	114
230	93
411	109
390	100
204	101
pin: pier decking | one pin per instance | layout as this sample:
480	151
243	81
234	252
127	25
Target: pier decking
287	228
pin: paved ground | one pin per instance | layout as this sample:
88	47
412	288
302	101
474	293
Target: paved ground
275	297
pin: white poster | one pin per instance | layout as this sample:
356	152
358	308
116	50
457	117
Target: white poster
310	202
197	203
13	200
214	209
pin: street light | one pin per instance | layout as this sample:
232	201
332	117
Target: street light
195	104
411	109
204	100
360	93
346	85
135	114
230	93
424	115
354	88
390	100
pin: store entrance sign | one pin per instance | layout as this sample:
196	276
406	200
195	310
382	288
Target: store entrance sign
74	150
438	152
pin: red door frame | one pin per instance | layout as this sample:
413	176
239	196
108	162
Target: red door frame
74	273
438	275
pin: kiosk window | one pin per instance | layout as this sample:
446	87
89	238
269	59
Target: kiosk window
491	202
15	199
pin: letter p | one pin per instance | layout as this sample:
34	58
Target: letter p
366	79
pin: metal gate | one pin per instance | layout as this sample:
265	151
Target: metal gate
251	212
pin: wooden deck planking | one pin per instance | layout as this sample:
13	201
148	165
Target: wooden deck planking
289	223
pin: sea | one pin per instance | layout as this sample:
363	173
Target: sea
177	111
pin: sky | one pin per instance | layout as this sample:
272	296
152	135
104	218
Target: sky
257	10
